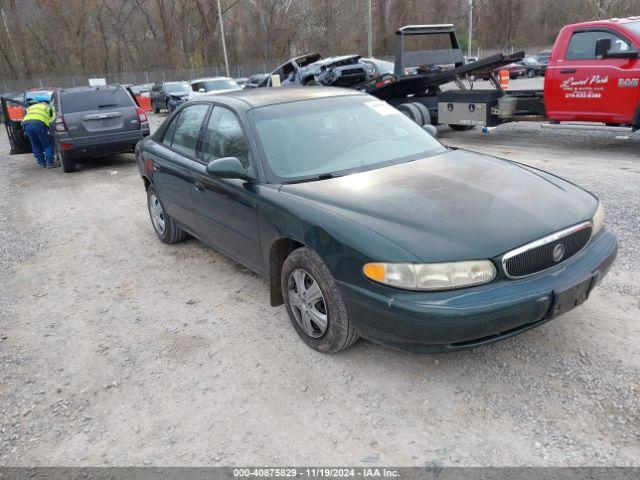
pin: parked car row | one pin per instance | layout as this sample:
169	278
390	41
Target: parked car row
317	189
530	67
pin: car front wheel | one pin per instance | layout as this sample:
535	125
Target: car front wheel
164	226
314	303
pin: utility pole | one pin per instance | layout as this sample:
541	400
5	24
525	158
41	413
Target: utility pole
224	43
369	30
470	37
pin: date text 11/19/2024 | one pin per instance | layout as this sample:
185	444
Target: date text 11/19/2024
319	472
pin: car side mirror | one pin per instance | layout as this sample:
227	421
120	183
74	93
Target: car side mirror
603	45
630	54
431	130
227	167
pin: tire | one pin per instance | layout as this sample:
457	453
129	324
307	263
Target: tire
461	128
424	113
531	73
68	165
411	111
304	266
156	110
170	233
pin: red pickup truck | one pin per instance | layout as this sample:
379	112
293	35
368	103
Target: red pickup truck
593	76
594	73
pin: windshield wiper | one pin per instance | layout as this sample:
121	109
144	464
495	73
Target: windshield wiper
322	176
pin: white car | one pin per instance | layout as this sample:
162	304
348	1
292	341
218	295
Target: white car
203	86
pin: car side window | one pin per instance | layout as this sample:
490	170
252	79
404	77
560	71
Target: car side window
167	138
186	129
582	45
224	137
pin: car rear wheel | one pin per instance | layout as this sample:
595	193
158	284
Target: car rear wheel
314	303
164	226
411	111
531	73
67	164
424	113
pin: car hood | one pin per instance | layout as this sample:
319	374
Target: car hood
213	92
458	205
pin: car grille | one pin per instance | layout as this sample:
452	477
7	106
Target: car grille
539	255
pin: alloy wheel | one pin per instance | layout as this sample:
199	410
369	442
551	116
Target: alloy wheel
307	303
157	214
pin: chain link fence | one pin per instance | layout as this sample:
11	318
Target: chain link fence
135	78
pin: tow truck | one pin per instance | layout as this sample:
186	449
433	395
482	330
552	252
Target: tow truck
592	82
415	86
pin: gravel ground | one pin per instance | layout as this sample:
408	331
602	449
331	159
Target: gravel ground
119	350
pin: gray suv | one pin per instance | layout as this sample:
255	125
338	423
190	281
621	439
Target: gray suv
96	122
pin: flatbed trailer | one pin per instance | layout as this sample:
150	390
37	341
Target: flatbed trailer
417	94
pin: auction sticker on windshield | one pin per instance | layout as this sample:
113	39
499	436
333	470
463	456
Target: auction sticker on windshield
383	108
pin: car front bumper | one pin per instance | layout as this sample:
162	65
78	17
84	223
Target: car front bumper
466	318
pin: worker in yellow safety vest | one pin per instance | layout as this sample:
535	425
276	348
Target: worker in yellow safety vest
39	116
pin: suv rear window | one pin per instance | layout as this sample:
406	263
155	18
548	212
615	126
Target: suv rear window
85	100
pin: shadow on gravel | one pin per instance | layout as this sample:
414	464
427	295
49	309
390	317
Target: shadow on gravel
122	160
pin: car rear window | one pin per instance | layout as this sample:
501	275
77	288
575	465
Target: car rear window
98	99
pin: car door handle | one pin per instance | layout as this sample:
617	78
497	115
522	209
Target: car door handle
568	70
198	186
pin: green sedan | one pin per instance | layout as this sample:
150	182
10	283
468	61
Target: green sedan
367	226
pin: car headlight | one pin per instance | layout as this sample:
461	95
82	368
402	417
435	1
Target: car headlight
431	276
598	219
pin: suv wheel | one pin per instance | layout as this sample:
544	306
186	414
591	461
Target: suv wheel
314	303
164	226
67	164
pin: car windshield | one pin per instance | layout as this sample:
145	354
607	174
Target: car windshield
210	85
176	87
84	100
338	135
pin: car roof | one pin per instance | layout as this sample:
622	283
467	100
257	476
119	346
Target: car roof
86	88
258	97
604	23
204	79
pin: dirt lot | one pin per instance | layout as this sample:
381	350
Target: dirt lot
117	349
